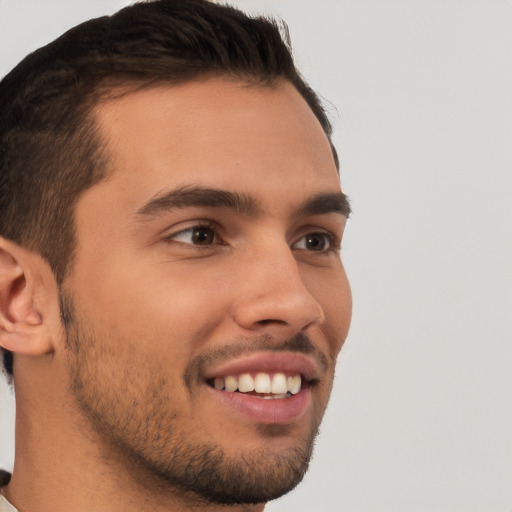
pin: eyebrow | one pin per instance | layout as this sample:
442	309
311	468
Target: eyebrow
319	204
189	197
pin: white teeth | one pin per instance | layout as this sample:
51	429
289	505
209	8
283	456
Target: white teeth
231	383
262	383
245	383
274	397
277	386
296	385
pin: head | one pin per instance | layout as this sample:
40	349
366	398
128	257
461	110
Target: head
50	151
151	160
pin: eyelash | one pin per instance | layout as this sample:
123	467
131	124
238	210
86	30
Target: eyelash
333	242
199	225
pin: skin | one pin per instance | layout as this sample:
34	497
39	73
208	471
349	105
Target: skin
105	402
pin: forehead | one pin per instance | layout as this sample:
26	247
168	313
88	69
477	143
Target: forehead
215	133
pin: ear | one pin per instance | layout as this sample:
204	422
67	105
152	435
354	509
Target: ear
28	301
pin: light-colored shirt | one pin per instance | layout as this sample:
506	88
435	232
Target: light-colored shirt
5	506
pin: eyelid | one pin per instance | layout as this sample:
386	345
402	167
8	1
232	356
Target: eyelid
333	239
334	242
189	227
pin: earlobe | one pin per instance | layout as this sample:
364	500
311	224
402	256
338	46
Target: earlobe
24	301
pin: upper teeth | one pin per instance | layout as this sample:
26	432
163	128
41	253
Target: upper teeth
277	384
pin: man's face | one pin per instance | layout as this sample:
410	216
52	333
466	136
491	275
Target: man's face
208	260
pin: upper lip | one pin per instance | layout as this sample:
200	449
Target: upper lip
267	362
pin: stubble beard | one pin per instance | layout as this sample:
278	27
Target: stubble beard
139	427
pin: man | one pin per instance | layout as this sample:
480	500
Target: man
172	295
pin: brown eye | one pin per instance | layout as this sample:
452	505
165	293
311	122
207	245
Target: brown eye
317	242
202	236
195	235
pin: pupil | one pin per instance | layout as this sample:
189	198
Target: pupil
203	236
316	242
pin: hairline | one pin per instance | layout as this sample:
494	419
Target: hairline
113	89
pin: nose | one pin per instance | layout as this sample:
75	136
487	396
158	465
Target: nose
274	296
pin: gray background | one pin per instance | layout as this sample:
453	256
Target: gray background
420	418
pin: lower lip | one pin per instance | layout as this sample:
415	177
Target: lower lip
271	411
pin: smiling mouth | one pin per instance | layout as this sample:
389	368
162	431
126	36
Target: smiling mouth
267	386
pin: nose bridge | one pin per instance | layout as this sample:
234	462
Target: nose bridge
273	291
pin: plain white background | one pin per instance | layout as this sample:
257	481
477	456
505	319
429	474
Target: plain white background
421	416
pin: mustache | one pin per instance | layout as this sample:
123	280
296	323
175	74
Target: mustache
299	343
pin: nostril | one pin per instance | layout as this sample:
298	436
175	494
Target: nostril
271	321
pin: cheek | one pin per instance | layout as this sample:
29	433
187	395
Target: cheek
164	307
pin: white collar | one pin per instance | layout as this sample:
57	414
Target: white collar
5	506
